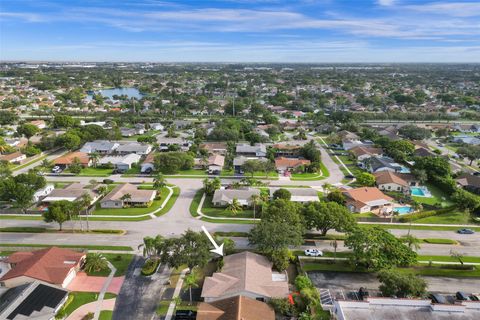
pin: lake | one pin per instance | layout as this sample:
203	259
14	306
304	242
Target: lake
109	93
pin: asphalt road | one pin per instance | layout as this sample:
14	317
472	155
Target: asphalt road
139	295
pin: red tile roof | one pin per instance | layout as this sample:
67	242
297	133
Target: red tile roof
51	265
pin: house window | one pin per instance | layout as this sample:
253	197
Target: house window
389	187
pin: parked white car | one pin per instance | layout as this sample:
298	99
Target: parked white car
313	253
56	169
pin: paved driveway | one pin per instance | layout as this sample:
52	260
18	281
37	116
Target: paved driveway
85	283
353	281
139	296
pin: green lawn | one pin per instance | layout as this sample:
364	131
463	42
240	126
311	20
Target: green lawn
134	211
257	174
105	315
81	298
312	176
232	221
195	203
119	261
453	217
18	167
413	227
438	197
95	172
163	307
209	210
170	203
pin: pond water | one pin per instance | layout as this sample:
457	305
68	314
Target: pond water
128	91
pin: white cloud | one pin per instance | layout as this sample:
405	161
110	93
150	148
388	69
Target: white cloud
457	9
386	3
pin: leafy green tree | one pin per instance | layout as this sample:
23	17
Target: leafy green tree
59	212
28	130
282	194
251	166
411	241
401	285
336	196
209	186
470	152
413	132
434	166
465	200
366	179
95	262
376	248
94	157
283	210
324	216
69	141
159	181
270	236
64	121
172	162
281	258
152	247
309	151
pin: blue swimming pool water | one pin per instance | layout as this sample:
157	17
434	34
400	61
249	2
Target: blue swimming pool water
402	210
417	192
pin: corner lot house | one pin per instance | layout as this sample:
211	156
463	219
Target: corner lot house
224	197
148	165
246	274
115	199
368	199
15	157
52	265
238	307
71	193
32	301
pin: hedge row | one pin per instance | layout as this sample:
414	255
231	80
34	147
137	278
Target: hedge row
150	267
424	214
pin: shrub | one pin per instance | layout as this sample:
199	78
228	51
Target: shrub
150	267
88	316
424	214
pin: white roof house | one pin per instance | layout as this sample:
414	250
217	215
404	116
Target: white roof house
134	147
100	146
121	162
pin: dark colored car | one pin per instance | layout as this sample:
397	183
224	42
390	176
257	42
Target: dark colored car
437	298
462	296
465	231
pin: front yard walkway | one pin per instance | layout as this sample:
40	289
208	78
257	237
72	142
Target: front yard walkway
85	283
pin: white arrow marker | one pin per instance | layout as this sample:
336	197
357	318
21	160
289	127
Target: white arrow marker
218	249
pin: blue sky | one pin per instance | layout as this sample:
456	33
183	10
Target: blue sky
241	30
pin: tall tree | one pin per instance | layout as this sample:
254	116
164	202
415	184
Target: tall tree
400	285
59	212
190	281
324	216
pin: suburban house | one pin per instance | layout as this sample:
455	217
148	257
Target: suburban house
164	143
34	300
128	132
66	160
364	152
238	307
53	265
100	146
288	164
258	150
367	199
121	163
344	134
467	140
391	181
239	161
348	144
134	147
148	165
377	164
215	163
43	192
301	195
215	147
156	126
116	198
14	157
287	150
71	193
40	124
469	182
423	152
247	274
224	197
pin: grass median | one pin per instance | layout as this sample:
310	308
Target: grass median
76	246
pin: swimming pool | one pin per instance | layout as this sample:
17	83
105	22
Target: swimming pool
420	192
403	210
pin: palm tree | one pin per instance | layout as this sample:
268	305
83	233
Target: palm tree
334	244
102	190
46	163
327	187
394	214
95	262
159	181
411	241
234	207
85	202
190	282
93	183
152	246
94	157
255	198
126	198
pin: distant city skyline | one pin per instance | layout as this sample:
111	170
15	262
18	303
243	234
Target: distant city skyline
304	31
